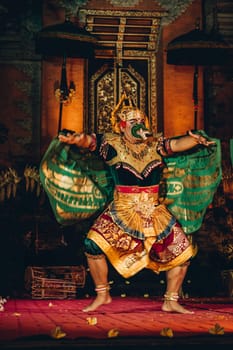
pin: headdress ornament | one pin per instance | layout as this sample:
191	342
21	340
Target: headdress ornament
123	112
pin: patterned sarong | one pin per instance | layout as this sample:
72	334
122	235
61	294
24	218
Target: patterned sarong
137	232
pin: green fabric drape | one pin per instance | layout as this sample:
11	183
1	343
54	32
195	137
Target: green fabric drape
191	181
76	181
79	186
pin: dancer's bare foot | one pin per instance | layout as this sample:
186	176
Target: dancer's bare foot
101	299
171	304
174	306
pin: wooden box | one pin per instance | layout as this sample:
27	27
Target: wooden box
55	282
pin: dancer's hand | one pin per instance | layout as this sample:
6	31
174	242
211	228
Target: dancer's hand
71	138
80	140
201	140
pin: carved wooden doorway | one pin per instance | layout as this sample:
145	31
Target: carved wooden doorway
107	85
126	60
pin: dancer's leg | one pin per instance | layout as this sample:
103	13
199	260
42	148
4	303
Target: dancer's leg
175	278
99	272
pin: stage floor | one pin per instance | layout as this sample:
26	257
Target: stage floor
126	323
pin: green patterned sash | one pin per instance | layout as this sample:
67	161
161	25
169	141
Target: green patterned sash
76	182
192	180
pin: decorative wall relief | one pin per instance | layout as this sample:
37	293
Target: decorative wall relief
102	99
174	8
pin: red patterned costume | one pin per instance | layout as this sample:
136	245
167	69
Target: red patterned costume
136	231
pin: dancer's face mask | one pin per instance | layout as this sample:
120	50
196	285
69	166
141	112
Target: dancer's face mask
134	126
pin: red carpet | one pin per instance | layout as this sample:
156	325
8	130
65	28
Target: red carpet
130	317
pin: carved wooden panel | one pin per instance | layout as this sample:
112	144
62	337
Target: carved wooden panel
106	87
125	60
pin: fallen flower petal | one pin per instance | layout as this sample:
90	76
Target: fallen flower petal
166	332
216	330
57	333
91	320
112	333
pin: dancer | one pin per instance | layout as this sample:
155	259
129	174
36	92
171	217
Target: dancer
136	230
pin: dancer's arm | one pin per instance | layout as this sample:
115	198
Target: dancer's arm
189	141
81	140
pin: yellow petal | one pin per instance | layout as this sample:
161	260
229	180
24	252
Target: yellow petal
57	333
91	320
166	332
112	333
216	330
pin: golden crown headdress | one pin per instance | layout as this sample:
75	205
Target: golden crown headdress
123	112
